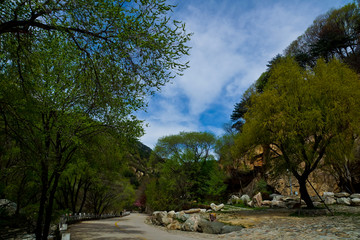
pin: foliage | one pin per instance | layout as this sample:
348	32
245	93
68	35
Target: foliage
300	113
71	70
187	172
334	34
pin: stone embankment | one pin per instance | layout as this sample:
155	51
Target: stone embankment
280	201
193	220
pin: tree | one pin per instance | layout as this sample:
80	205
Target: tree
300	114
188	171
334	34
71	69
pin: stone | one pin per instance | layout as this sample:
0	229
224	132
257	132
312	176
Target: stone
257	200
328	194
355	201
342	194
245	198
8	206
277	204
175	225
210	227
171	214
233	199
276	197
266	203
193	210
250	204
203	210
229	229
215	207
315	199
182	216
292	204
317	204
343	200
192	223
355	195
161	218
290	198
329	200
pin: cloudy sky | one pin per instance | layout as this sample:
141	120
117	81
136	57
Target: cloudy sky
233	41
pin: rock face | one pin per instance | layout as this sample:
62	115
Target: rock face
215	207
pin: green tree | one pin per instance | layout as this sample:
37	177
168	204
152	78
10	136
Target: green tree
187	171
300	114
71	69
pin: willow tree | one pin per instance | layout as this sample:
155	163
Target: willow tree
72	68
300	114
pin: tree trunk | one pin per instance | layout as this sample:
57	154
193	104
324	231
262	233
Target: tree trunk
43	198
49	208
304	193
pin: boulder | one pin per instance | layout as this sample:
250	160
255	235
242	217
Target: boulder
317	204
275	196
233	200
292	204
245	198
229	229
182	216
250	204
192	223
328	194
329	200
355	201
193	210
266	203
171	214
342	194
215	207
343	200
257	200
355	195
210	227
160	218
8	206
175	225
277	204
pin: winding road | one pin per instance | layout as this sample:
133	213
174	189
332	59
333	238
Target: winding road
132	227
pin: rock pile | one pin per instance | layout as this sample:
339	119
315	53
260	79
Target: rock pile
280	201
193	220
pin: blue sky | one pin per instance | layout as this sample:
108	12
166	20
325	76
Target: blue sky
233	41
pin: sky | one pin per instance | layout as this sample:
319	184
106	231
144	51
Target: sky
231	44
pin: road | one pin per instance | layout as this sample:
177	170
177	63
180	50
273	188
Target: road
131	227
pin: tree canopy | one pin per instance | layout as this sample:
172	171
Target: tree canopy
301	113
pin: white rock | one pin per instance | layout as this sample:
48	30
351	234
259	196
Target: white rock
355	201
192	223
182	216
276	197
329	200
328	194
250	204
233	200
343	200
342	194
245	198
171	214
355	195
215	207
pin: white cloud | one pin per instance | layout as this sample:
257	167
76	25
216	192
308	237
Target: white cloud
231	45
